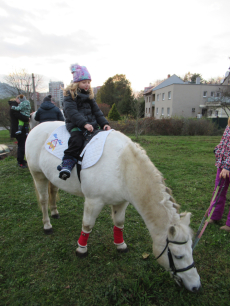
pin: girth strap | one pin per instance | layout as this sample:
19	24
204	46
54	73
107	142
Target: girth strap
79	163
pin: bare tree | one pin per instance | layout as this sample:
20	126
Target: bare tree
21	83
187	77
138	112
216	80
157	82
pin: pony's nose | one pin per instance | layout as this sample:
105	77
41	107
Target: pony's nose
195	289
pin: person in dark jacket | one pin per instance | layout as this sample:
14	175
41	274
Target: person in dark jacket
81	114
48	111
21	138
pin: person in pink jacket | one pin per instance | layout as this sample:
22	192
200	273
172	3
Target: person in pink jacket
222	153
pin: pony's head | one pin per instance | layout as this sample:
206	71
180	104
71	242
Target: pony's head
176	257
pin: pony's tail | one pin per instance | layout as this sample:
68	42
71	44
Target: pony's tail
37	196
50	189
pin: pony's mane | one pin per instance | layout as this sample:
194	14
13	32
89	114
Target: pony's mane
152	174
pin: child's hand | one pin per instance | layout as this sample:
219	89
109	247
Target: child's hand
106	127
88	127
224	173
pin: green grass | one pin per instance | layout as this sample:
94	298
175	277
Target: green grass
5	137
36	269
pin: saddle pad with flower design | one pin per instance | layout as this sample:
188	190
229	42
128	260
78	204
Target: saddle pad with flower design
57	143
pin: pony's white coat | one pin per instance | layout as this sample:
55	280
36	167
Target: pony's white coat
33	122
123	175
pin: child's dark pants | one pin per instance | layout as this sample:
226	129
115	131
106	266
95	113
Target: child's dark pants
219	210
75	145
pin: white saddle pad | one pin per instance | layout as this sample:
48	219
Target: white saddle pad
57	143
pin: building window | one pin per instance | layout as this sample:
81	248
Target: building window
218	94
169	95
168	111
216	113
149	110
205	94
158	97
212	94
162	111
163	96
157	111
146	110
193	110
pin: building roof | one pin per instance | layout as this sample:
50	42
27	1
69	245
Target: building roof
148	90
174	79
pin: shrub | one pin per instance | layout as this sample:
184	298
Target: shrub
171	126
113	113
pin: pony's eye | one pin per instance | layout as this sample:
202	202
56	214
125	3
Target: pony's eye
178	257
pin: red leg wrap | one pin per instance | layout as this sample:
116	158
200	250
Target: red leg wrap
118	235
82	241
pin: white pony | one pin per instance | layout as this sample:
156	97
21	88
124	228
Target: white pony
123	175
33	122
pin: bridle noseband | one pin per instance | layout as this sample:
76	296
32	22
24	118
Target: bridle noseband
171	262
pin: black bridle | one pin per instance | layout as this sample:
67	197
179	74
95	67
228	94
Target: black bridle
171	262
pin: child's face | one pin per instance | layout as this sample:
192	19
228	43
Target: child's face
85	84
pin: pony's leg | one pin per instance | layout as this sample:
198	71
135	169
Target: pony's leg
118	215
92	208
52	201
41	184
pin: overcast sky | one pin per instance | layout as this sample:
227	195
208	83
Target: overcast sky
145	40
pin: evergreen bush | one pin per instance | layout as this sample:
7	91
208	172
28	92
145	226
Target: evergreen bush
113	113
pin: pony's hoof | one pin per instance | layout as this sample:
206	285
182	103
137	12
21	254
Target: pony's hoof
57	216
123	250
48	231
81	255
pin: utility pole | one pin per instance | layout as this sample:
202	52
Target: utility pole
27	91
35	100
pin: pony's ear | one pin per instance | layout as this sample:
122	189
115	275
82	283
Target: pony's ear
172	231
185	218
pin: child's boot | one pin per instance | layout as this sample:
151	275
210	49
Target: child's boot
67	166
26	128
19	130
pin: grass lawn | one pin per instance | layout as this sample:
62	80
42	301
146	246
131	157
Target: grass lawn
5	137
36	269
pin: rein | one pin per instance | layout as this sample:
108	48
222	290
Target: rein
200	229
170	258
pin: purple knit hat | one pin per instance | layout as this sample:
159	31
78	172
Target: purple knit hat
80	73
